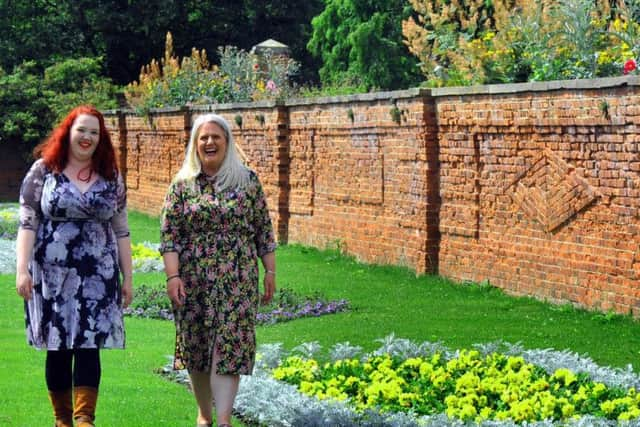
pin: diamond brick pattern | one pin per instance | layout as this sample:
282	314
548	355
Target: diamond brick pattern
550	191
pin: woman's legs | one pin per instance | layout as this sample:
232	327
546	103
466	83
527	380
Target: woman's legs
86	368
57	370
209	386
201	386
80	369
86	380
58	377
225	388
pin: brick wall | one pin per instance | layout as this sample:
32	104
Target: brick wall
152	148
540	190
359	176
533	187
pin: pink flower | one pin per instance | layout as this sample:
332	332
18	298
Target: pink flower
629	66
271	85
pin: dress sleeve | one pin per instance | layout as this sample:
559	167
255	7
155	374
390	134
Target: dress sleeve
119	222
30	211
265	239
171	220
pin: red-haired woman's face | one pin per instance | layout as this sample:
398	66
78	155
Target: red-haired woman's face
84	137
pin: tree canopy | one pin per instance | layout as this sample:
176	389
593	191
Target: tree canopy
361	41
129	33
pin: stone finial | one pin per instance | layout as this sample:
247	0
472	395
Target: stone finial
273	46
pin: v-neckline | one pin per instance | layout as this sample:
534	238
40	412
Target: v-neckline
78	189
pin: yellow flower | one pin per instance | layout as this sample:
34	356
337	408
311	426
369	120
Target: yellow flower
485	414
278	373
564	376
335	393
567	410
351	380
468	381
607	407
630	414
598	389
468	412
407	399
426	369
306	387
489	35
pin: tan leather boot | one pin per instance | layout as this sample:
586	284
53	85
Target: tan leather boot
62	407
84	412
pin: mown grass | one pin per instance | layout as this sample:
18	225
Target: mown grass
131	393
143	227
384	300
387	300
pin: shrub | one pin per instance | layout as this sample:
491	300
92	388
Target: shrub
478	42
26	114
33	100
72	82
240	77
363	41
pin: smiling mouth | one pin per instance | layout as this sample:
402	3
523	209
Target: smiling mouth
85	144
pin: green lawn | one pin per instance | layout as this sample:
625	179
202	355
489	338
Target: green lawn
130	392
384	300
389	300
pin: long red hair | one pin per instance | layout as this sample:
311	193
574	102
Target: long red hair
55	149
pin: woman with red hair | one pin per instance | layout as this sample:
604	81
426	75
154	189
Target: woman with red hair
74	260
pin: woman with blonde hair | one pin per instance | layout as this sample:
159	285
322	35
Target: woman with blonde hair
215	227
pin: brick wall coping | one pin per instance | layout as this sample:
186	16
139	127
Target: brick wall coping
203	108
361	97
579	84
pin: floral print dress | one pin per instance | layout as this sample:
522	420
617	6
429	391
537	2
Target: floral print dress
219	237
76	299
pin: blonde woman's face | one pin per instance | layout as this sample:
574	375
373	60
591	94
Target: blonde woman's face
212	147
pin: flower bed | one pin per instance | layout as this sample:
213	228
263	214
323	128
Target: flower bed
8	231
146	257
8	220
409	384
152	302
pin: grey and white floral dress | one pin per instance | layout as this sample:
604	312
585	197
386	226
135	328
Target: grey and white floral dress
76	299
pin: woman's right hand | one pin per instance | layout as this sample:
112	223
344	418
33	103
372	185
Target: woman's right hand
175	291
24	285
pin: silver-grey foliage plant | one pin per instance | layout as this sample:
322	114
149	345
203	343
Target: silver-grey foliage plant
274	403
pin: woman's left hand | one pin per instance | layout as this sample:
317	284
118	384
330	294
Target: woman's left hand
127	291
269	288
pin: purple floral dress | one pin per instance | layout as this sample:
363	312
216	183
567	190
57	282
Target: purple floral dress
219	237
76	299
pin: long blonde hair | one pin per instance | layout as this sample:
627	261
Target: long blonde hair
233	172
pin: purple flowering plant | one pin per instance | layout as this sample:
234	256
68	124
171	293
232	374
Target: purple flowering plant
152	302
289	305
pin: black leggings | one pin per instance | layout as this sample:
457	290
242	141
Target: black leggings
86	369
